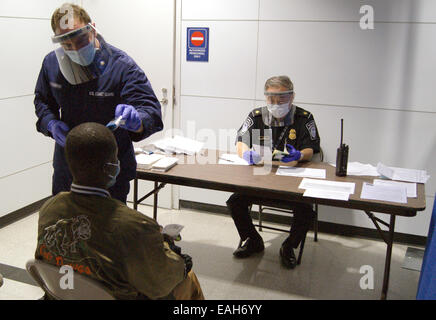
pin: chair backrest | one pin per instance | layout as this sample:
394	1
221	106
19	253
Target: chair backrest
48	278
318	157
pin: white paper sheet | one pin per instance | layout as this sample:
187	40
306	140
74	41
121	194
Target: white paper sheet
148	159
403	174
326	194
327	185
173	230
360	169
232	159
164	164
186	145
301	172
410	187
391	193
179	144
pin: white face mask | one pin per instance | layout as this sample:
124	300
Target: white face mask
278	110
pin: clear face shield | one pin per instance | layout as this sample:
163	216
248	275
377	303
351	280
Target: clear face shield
82	54
279	103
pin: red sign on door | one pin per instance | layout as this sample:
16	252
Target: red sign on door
197	38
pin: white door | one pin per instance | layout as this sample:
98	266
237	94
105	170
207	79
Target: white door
145	31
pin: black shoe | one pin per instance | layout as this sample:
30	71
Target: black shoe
248	248
287	257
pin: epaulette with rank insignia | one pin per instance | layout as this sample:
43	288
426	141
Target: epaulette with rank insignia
302	113
257	112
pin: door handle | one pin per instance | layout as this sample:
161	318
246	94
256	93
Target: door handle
164	96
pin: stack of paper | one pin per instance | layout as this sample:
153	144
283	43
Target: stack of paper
179	144
384	192
164	145
402	174
301	172
326	189
147	160
410	187
164	164
360	169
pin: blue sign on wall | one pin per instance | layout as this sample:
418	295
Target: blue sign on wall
197	44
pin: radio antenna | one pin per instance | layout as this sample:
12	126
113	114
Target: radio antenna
342	130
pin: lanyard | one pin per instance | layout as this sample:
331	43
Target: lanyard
282	134
280	138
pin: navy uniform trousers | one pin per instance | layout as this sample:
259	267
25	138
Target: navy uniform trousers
239	206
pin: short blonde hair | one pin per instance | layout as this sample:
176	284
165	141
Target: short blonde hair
279	81
78	12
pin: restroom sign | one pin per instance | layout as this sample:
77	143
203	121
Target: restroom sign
197	47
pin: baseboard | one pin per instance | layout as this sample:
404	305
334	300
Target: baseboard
324	227
16	215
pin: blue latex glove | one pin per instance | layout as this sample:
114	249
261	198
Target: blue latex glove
59	131
252	157
130	116
294	154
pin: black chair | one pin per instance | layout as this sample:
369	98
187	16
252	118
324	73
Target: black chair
282	207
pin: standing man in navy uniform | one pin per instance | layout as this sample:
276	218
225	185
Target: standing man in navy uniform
278	126
86	79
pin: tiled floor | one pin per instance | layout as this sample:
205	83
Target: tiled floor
329	268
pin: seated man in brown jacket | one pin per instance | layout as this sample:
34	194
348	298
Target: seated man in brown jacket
101	237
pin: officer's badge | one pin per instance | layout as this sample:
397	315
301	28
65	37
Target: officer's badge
292	134
311	127
247	125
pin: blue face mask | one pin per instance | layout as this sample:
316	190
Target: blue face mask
113	177
84	56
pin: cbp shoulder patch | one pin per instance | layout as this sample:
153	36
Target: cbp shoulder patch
311	127
246	125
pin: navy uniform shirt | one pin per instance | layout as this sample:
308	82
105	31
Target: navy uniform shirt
95	101
298	128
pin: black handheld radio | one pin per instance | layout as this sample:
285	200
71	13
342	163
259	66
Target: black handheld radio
342	156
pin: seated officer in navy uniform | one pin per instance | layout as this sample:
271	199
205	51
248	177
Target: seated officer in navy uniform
280	126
